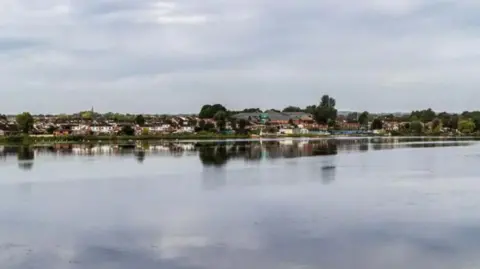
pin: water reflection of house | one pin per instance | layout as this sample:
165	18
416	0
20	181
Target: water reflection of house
89	150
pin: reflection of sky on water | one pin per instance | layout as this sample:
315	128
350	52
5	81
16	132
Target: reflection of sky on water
405	208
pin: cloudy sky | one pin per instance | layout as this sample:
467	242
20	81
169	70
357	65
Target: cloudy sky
168	56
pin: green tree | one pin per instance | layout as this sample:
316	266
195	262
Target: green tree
326	113
426	115
233	123
86	115
209	127
416	127
352	117
466	126
242	124
51	129
220	115
292	109
128	130
209	111
454	119
140	120
377	124
201	125
363	118
145	131
444	117
475	116
25	122
252	110
311	109
221	118
25	156
436	126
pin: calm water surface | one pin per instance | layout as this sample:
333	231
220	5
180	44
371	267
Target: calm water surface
351	203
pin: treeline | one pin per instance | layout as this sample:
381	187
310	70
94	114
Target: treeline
323	113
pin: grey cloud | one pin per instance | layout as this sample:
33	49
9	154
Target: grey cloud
13	44
210	50
107	6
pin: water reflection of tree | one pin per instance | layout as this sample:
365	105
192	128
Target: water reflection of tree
218	154
328	149
325	148
140	155
25	157
213	155
363	147
329	173
254	152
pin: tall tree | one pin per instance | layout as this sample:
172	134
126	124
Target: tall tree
127	130
475	117
252	110
326	113
140	120
86	115
377	124
201	125
25	122
416	127
352	117
209	111
426	115
221	117
242	124
209	127
311	109
363	118
466	126
233	123
292	109
436	125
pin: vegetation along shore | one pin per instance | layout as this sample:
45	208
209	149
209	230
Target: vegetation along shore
217	122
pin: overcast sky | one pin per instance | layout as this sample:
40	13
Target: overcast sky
173	56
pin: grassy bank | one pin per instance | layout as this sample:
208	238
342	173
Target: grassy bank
24	139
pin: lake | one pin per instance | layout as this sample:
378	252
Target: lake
345	203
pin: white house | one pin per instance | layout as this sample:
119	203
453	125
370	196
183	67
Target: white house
79	128
159	128
286	131
102	129
300	131
186	129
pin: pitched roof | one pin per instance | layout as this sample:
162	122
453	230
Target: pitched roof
274	115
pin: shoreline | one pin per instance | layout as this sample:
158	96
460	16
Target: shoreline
45	140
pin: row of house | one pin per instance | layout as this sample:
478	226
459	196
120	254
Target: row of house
302	120
51	125
284	123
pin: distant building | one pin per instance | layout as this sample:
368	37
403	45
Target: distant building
285	131
276	118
